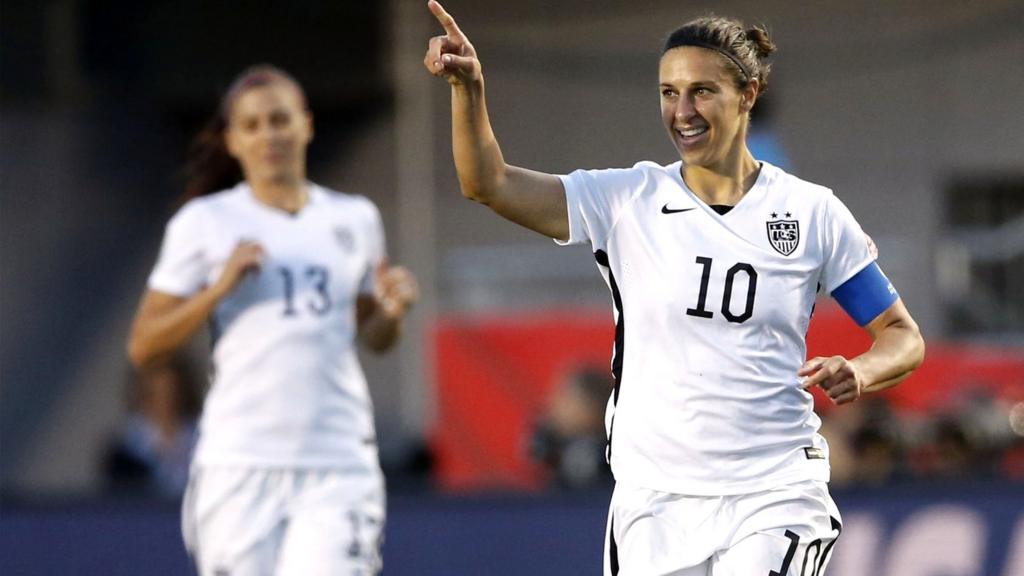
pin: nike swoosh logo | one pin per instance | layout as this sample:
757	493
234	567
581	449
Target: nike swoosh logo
666	210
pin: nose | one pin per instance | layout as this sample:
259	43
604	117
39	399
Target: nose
272	134
685	108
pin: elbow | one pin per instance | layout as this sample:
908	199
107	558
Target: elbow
139	353
483	186
917	348
475	191
136	354
916	351
470	194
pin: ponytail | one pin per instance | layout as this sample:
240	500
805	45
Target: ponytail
209	167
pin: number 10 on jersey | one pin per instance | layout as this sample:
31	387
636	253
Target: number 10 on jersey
701	310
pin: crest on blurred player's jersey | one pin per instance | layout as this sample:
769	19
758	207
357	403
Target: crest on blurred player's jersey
784	235
345	238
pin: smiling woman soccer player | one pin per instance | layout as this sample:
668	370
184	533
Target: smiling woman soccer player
288	274
713	264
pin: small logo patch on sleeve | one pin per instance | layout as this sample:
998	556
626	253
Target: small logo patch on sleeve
814	453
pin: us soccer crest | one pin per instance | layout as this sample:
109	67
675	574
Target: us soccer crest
344	238
784	235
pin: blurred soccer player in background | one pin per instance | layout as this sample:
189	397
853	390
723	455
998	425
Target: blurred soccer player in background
713	263
568	438
288	275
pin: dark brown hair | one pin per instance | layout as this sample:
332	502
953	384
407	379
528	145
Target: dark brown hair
209	167
746	50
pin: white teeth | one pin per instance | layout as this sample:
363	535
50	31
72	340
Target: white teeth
690	132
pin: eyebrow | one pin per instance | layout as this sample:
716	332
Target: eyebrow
272	112
694	84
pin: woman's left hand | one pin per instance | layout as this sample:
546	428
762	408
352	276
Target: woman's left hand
395	290
837	376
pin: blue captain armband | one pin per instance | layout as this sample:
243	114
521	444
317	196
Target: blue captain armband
866	295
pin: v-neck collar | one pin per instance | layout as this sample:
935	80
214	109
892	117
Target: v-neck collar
311	189
758	188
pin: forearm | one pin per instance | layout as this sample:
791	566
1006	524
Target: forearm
478	160
379	332
158	331
895	353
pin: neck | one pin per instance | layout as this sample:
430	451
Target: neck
289	195
725	182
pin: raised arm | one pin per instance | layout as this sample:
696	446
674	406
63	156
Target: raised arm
531	199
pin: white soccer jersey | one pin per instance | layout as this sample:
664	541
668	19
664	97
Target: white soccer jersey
288	390
711	313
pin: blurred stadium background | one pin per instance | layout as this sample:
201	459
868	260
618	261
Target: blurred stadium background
910	110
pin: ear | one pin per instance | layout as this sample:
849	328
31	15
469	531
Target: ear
748	96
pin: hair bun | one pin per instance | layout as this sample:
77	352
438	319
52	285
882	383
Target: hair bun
763	45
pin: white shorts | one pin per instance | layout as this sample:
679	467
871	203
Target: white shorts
283	522
786	531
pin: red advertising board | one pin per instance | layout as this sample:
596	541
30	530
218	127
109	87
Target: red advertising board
495	373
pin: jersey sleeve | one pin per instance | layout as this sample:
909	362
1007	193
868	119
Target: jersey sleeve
593	199
845	245
850	273
376	247
181	269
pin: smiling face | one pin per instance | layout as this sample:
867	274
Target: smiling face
702	109
268	130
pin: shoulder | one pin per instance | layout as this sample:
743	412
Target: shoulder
211	204
639	176
641	170
797	191
784	182
353	205
649	167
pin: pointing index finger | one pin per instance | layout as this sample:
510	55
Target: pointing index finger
445	19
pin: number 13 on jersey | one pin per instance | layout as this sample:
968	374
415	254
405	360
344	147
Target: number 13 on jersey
320	301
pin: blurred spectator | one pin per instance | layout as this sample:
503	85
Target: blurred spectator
878	456
1011	463
151	454
973	439
952	453
569	440
877	445
841	459
866	445
987	423
978	437
410	467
